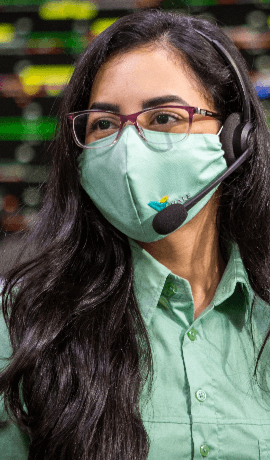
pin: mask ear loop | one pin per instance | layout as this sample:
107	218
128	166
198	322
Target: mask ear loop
220	130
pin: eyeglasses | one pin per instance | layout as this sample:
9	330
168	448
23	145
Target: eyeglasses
90	126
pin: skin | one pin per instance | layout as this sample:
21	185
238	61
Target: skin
191	252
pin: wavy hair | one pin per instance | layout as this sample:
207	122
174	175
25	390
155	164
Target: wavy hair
81	353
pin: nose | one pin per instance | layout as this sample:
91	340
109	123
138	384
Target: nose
139	129
129	122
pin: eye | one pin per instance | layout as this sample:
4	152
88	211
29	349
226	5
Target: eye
102	122
163	118
166	116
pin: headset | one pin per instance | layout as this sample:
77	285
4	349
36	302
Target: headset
234	137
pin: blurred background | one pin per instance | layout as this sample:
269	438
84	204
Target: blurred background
39	43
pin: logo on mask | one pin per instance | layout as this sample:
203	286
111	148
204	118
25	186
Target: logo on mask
163	202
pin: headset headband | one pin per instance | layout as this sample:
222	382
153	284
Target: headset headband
246	106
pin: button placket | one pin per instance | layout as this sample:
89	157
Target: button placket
202	407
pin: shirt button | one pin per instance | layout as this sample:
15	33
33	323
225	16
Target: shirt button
169	290
192	334
204	450
200	395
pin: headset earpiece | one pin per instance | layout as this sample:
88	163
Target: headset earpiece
227	135
234	137
241	138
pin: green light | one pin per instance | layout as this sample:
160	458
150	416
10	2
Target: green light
56	10
7	32
17	128
69	40
52	77
101	24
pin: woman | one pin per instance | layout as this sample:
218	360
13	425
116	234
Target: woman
130	344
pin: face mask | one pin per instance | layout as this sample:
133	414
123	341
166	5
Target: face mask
131	181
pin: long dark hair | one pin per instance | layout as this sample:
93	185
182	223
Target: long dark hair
81	353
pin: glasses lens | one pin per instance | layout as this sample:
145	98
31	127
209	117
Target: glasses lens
174	121
94	126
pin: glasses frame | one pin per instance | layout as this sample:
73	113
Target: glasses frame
133	119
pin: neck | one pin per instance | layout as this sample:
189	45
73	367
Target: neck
192	252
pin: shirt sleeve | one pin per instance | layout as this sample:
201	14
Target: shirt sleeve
14	444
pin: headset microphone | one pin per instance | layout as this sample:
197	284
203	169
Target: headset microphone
234	138
174	215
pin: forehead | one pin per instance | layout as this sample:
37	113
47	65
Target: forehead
147	72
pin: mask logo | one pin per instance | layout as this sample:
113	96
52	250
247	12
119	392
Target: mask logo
163	203
159	205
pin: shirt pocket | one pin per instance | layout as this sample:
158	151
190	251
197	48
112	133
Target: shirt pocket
264	449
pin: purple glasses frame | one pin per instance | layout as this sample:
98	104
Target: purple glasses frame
133	118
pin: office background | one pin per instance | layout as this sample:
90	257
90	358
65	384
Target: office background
39	43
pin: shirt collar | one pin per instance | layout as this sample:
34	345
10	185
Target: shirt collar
150	277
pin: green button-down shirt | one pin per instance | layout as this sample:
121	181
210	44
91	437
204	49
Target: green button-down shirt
204	402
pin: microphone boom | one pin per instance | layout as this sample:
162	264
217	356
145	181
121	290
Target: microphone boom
174	215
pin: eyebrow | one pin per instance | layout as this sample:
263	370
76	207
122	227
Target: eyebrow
147	104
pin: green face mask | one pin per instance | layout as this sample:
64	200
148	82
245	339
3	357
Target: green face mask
131	181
